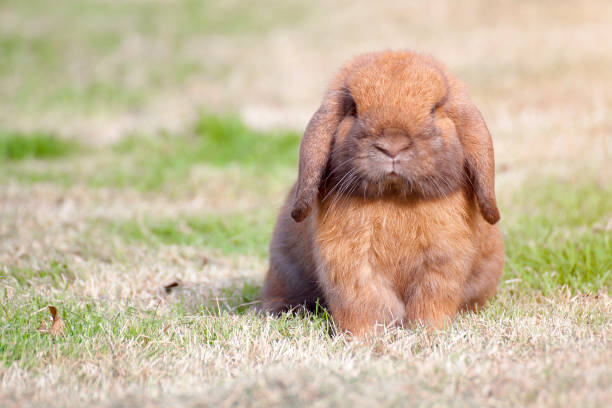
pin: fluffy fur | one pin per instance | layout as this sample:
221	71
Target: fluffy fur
392	219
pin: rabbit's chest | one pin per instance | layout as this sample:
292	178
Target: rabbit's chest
392	240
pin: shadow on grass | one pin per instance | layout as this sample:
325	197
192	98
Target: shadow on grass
238	298
235	296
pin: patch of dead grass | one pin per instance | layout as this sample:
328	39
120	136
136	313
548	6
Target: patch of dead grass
538	352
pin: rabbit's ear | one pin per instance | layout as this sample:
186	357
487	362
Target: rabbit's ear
316	146
478	147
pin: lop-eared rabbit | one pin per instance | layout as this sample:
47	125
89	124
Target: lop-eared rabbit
392	218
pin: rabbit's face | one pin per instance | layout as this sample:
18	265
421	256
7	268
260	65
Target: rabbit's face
395	123
403	144
392	160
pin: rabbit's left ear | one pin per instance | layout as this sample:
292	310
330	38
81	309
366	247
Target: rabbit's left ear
478	148
315	148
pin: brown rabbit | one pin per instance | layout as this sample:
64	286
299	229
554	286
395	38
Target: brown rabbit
397	169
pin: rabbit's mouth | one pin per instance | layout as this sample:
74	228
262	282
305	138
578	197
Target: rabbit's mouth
391	182
394	177
399	182
393	172
375	175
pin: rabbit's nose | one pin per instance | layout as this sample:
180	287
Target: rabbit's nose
393	142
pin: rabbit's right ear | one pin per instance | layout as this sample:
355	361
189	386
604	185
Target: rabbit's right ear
478	148
315	148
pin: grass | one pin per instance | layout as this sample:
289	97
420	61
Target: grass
559	236
227	233
128	329
93	327
56	274
546	248
102	346
98	65
90	330
155	162
17	146
583	264
145	219
150	163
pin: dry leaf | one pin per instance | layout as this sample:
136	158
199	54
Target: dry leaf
205	260
168	288
43	326
57	327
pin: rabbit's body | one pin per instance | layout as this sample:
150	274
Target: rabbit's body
387	261
398	176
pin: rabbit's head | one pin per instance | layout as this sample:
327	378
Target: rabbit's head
396	124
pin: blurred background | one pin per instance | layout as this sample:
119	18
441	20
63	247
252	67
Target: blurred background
98	70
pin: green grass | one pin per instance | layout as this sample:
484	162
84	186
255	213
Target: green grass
227	140
555	236
230	234
95	328
56	274
89	329
582	264
154	162
163	161
558	203
36	145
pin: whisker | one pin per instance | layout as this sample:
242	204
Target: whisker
338	184
340	189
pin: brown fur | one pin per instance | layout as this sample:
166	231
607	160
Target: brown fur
398	166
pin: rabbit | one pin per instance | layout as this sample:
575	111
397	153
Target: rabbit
392	220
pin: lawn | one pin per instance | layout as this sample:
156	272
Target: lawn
138	197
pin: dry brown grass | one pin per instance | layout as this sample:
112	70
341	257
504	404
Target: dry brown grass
539	71
533	352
